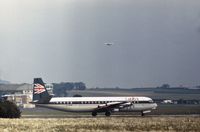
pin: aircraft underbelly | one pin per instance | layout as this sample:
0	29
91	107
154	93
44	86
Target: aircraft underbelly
81	108
71	108
137	107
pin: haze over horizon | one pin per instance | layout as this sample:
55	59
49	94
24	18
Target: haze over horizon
154	42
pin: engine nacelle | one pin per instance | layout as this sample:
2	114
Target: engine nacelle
116	110
147	111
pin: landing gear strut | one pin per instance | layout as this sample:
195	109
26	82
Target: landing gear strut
94	113
142	114
108	113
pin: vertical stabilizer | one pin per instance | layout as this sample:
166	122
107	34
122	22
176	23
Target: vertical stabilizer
40	94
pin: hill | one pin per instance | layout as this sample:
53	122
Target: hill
4	82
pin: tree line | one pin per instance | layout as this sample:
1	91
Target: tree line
60	89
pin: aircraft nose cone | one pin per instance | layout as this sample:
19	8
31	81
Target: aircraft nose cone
154	106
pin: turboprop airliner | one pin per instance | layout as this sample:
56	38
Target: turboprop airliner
95	105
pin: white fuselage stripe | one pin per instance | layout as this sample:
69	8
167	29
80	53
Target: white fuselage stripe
89	104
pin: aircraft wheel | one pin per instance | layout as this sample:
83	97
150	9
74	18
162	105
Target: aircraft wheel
94	113
108	113
142	114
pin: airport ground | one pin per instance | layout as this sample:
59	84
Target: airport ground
166	118
102	124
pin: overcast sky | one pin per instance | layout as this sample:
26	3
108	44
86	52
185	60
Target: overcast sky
155	42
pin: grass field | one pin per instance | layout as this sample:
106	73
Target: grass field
102	124
125	92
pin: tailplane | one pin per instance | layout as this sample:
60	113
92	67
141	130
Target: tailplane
40	93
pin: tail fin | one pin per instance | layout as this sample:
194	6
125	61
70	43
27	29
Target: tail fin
40	94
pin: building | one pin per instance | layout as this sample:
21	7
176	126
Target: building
21	94
49	88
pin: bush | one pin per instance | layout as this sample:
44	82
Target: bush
9	110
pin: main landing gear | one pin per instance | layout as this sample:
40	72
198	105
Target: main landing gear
107	113
142	114
94	113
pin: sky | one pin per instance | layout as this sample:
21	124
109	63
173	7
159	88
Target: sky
154	42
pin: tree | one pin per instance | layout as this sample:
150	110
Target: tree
198	86
9	110
60	89
165	86
79	86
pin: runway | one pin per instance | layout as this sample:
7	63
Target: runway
103	116
162	111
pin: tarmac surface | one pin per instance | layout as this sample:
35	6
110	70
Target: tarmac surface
162	111
103	116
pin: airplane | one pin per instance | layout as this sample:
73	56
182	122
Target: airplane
95	105
108	44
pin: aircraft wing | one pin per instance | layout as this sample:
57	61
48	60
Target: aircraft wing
111	106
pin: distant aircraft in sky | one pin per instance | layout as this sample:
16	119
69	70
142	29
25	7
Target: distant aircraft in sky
109	44
41	98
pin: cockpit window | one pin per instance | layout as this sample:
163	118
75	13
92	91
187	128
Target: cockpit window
150	101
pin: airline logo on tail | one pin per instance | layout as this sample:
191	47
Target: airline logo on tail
38	88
